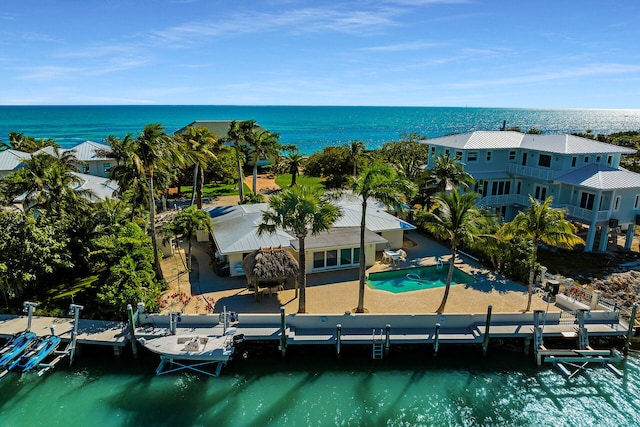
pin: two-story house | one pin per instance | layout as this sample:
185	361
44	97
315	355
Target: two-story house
583	176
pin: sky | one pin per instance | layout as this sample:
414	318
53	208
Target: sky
476	53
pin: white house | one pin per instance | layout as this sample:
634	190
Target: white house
583	176
235	232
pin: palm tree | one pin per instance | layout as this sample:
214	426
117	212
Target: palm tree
381	183
299	209
448	173
154	149
263	144
356	151
294	161
238	132
541	223
186	223
452	219
200	146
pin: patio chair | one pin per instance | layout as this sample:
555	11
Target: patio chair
403	255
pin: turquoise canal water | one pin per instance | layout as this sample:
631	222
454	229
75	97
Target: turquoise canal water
310	128
311	388
415	279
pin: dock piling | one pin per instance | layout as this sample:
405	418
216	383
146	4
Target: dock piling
632	322
338	339
485	340
75	309
436	339
28	307
387	339
132	331
283	332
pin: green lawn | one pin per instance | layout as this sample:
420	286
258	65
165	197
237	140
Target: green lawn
284	180
214	190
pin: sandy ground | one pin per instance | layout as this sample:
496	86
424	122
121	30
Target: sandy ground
201	291
336	292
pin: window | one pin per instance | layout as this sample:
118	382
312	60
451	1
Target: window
544	160
586	200
488	156
519	187
540	192
609	160
637	202
472	156
318	260
512	155
106	167
433	151
586	159
458	155
499	188
332	258
86	169
345	256
573	161
598	158
447	152
616	203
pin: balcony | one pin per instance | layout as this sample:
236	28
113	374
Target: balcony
503	200
578	213
531	172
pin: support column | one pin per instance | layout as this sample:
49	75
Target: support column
628	240
591	234
604	238
283	331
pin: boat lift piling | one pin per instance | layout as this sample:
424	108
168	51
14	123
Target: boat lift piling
75	308
338	339
132	331
387	339
28	307
632	322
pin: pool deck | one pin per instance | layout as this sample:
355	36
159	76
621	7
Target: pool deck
336	292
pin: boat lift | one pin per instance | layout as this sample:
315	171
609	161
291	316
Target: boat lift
570	362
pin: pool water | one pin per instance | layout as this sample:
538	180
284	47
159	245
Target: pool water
415	279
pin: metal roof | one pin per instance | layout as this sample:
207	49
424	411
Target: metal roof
553	143
235	227
86	151
11	159
101	188
601	177
345	236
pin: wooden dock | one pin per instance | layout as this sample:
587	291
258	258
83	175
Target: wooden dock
94	332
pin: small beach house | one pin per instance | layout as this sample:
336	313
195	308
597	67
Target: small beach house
235	232
583	176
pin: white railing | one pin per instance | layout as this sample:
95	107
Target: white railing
585	214
530	171
502	200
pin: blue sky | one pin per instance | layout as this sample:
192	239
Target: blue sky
480	53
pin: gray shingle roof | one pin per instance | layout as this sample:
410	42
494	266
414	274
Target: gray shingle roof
601	177
11	159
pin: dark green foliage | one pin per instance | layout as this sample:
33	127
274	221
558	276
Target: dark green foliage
128	275
332	164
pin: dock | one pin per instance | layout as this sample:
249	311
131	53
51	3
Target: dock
93	332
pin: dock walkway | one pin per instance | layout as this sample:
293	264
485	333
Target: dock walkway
96	332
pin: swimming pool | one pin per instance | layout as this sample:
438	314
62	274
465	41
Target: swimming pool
415	279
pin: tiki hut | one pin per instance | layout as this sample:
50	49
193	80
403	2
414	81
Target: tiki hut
270	265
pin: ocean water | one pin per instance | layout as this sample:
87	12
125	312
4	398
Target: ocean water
311	388
310	128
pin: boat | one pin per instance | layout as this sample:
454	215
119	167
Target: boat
193	351
15	346
41	348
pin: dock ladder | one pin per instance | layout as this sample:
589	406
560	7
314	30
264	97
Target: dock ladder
439	263
377	342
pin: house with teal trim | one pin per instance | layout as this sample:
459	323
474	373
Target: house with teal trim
583	176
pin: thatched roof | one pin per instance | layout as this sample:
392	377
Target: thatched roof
270	264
